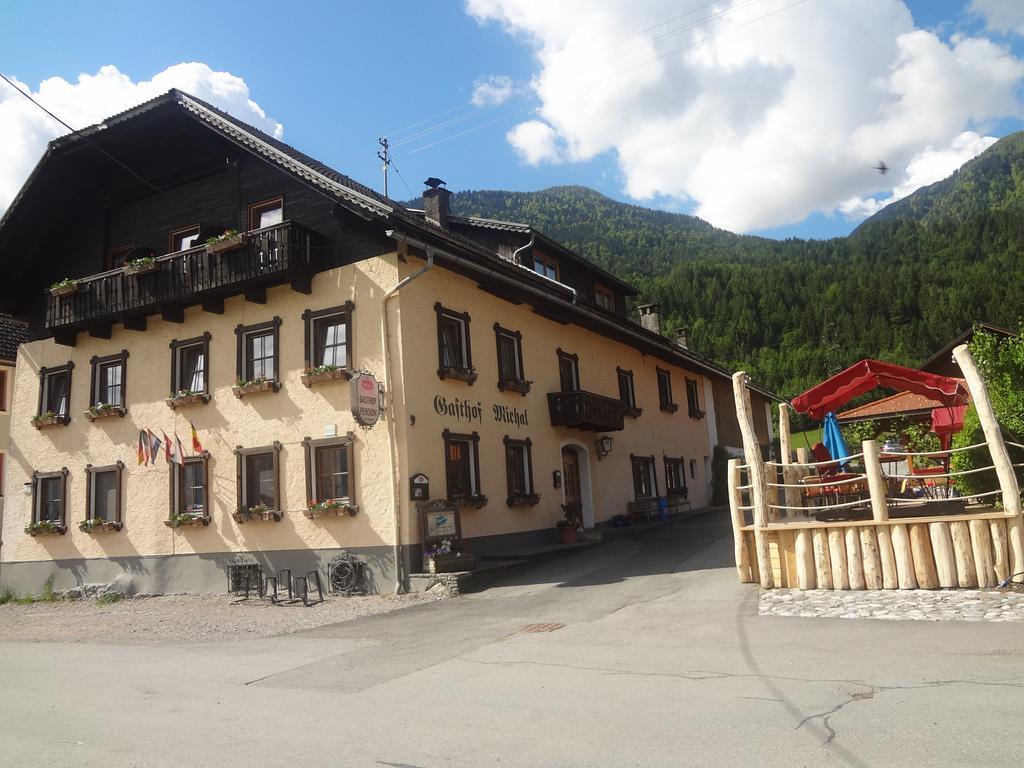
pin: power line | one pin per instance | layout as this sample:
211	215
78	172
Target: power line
592	83
412	196
82	136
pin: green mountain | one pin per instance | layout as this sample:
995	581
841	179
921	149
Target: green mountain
791	312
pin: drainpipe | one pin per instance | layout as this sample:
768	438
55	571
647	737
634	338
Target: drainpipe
517	251
396	490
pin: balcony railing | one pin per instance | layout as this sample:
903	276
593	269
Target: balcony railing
585	410
270	256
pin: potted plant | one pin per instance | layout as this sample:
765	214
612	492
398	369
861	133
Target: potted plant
329	507
522	387
528	500
42	527
468	375
48	419
257	512
140	266
102	410
568	527
229	241
91	524
477	502
444	556
322	373
186	519
245	387
64	287
185	397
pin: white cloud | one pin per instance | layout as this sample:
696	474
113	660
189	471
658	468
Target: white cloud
1001	15
25	129
492	91
535	142
759	113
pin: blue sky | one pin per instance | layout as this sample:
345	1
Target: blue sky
339	75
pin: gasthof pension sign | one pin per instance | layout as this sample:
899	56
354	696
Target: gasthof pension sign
365	399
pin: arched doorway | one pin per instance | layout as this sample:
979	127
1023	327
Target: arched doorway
576	491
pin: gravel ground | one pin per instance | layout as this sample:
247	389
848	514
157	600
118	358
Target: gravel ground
177	618
895	604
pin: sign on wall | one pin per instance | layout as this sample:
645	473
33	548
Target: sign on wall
365	399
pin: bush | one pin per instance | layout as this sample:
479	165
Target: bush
971	434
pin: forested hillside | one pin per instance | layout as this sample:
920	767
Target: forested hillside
904	283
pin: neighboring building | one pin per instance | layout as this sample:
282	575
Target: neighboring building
12	333
502	361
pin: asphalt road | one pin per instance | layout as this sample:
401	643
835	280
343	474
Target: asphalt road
660	659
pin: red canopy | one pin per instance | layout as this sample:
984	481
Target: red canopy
946	422
832	394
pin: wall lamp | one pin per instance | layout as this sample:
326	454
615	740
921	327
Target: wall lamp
604	446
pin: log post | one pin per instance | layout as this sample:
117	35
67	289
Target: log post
876	481
869	554
903	553
837	554
790	476
822	562
1000	457
738	522
1000	551
981	549
942	549
755	471
887	558
805	570
854	564
924	562
966	573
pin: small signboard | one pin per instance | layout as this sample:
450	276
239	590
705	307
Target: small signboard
440	520
419	487
365	399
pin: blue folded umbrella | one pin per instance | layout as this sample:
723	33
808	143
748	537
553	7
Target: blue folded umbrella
832	437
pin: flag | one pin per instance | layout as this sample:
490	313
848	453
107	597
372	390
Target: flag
196	445
168	448
179	452
154	447
143	445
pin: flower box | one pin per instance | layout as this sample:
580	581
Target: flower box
229	243
188	519
103	411
634	412
49	420
244	515
186	398
252	387
141	267
95	524
64	288
314	376
330	507
450	563
45	528
524	501
522	387
477	502
670	407
468	375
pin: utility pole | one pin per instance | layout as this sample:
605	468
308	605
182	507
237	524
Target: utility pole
385	156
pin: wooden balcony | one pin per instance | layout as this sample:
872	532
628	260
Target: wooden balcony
269	256
585	410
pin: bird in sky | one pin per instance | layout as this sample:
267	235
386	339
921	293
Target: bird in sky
882	168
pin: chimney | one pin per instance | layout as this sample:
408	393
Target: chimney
683	338
649	317
436	202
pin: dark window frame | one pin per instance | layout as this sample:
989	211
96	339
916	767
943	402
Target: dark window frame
473	439
242	362
671	487
96	383
120	252
520	383
529	495
3	390
37	478
665	399
241	455
649	463
629	401
257	208
574	361
44	375
177	486
176	348
175	234
693	399
309	320
465	372
90	472
601	290
310	447
548	262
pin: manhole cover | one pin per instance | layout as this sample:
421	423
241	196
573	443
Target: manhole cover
540	627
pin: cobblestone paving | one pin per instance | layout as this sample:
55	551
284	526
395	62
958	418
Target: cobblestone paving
895	604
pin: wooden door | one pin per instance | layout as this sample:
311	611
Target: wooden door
571	484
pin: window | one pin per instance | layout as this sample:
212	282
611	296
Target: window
510	360
266	214
568	371
330	471
462	465
3	390
49	491
519	472
675	478
103	492
55	391
257	473
329	336
545	265
693	469
190	486
257	352
692	401
454	352
190	365
645	483
665	391
108	380
183	239
605	297
627	392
